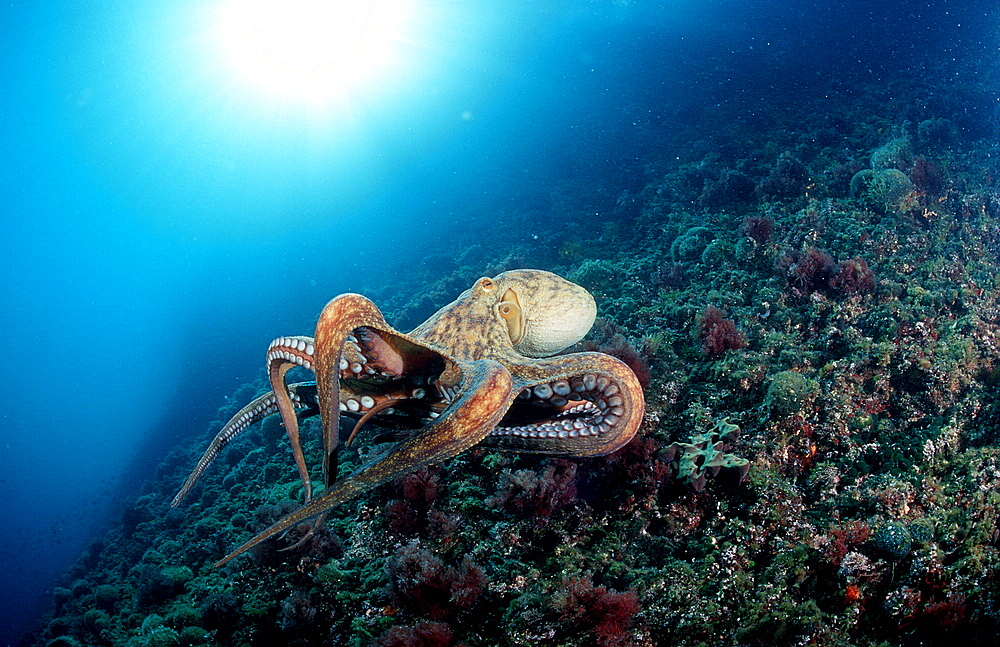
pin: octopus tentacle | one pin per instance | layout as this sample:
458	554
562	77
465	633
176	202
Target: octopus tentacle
282	354
583	404
486	393
302	396
377	408
338	319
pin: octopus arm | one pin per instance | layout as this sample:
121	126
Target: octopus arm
581	404
282	355
339	318
487	391
302	396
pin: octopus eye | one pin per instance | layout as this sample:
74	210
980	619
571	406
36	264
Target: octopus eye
510	311
487	284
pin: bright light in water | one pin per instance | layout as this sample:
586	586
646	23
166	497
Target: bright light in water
312	51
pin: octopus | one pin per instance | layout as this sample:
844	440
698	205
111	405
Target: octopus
487	369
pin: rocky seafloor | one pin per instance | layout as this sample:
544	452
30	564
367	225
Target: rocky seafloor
813	295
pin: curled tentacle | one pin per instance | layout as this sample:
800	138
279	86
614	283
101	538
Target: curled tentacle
378	408
583	404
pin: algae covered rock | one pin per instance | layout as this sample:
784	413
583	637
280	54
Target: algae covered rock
893	188
716	253
936	131
886	190
895	154
921	531
597	275
177	576
162	637
786	393
690	245
194	636
892	540
106	596
707	455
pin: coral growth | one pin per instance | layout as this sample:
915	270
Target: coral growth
601	613
928	177
537	495
786	393
718	334
892	539
670	277
853	277
789	178
896	154
810	270
690	245
730	189
420	581
423	634
417	491
886	190
760	229
843	538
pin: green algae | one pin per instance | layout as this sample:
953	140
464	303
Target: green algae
787	393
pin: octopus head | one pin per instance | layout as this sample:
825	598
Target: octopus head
544	312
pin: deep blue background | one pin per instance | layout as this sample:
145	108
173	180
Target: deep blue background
159	225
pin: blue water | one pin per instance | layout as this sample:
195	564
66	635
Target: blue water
162	219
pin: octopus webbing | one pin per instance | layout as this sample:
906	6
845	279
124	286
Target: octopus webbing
484	369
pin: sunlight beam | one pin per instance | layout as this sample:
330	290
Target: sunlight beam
311	51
